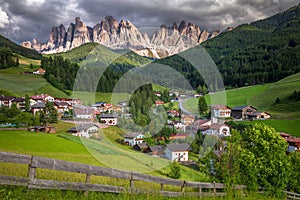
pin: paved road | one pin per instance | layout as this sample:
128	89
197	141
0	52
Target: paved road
183	110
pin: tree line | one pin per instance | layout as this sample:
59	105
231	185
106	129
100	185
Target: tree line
7	58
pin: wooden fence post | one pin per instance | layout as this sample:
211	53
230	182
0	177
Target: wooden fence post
131	182
200	190
215	191
31	173
182	187
87	180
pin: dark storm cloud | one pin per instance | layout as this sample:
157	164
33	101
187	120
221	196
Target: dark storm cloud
24	20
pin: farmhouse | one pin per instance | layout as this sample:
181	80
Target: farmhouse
177	152
221	111
221	130
259	115
6	100
83	113
173	113
187	119
39	106
242	112
20	103
133	138
157	150
157	103
84	130
40	71
43	129
109	119
62	107
294	143
141	147
42	97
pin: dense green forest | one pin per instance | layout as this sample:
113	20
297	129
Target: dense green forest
140	102
29	53
261	52
7	58
60	72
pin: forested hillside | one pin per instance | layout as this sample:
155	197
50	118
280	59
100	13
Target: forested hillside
260	52
4	42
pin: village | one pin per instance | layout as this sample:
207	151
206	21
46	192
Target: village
182	127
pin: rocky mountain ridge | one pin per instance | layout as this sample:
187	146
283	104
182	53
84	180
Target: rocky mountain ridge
161	42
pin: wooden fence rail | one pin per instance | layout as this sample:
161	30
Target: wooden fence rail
35	162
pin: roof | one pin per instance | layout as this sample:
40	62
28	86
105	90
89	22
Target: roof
131	135
216	126
178	147
219	107
6	98
108	116
39	105
282	134
40	97
157	148
62	103
83	111
82	127
242	108
19	99
142	145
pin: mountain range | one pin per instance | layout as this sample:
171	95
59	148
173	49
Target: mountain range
162	42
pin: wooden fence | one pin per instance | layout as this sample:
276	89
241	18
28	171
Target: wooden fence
34	162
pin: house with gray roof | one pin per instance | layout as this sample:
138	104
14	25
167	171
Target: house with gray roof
133	138
177	152
84	130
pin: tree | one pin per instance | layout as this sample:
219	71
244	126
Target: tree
49	114
13	111
26	119
27	103
166	132
258	155
294	183
202	105
197	142
174	170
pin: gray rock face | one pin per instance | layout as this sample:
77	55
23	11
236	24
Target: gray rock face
161	43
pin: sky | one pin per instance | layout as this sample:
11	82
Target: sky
27	19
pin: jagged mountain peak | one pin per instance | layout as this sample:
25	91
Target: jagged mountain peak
164	42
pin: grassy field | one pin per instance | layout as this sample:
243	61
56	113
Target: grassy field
287	126
18	84
262	97
90	97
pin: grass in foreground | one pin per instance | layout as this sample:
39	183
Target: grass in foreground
12	192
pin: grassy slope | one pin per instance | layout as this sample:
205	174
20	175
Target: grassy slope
18	49
260	96
263	97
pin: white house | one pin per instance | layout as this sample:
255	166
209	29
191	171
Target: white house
133	138
42	97
177	152
84	130
221	130
84	113
39	106
109	119
221	111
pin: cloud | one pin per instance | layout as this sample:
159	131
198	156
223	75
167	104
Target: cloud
4	19
28	19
